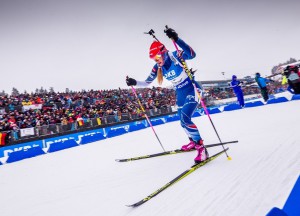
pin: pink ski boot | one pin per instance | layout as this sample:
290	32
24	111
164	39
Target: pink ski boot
202	153
189	146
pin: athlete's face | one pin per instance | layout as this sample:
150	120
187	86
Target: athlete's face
159	60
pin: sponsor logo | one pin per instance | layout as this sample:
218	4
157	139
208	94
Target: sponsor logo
79	137
126	127
170	74
182	85
62	140
21	148
190	97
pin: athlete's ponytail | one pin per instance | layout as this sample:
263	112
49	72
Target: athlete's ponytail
160	77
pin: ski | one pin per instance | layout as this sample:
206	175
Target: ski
178	178
176	151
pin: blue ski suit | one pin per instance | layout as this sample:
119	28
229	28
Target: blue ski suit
235	84
186	97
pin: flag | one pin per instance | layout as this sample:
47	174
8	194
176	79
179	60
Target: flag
2	139
80	121
99	121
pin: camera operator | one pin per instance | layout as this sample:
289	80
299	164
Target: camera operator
293	75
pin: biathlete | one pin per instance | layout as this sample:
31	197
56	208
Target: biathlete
168	65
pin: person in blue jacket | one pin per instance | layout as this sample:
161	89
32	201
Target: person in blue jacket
236	85
168	66
262	83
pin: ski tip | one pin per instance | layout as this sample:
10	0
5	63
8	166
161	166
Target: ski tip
118	160
130	206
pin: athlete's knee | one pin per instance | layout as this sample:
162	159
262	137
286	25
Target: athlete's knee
185	119
182	123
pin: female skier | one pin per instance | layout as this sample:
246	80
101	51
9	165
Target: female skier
168	65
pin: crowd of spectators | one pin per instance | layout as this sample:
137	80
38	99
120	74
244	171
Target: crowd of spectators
65	108
68	107
219	93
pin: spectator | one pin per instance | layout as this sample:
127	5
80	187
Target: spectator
262	83
293	75
285	82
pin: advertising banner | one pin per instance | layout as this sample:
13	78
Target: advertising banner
26	132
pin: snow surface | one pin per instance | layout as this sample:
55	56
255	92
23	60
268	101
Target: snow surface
87	181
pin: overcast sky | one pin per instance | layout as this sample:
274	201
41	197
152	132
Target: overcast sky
94	44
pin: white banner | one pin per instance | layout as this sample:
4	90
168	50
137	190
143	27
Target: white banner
26	132
174	108
33	106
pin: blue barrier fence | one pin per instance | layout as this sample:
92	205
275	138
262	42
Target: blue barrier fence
24	154
136	127
116	132
296	97
254	104
277	100
292	205
57	146
92	138
232	107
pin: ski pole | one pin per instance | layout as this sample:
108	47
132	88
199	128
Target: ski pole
148	120
198	94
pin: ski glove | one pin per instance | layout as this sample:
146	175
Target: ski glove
130	81
171	33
